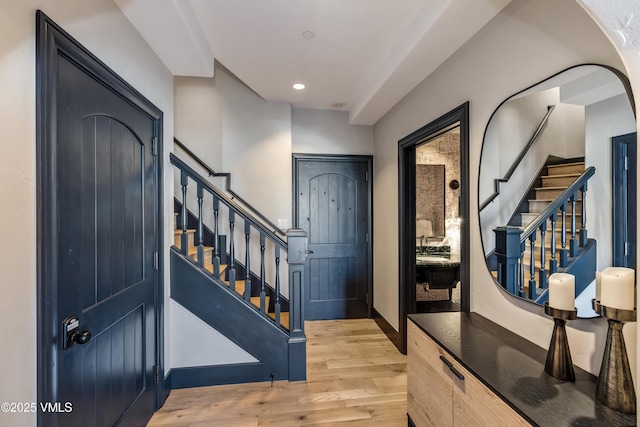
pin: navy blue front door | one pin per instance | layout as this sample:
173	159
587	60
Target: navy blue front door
100	221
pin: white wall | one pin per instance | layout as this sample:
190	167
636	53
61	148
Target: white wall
194	343
328	132
102	28
198	120
526	43
234	130
256	148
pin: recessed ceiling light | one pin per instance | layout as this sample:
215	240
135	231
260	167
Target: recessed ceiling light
308	35
298	86
338	104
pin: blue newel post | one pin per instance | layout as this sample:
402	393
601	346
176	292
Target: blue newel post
507	254
297	259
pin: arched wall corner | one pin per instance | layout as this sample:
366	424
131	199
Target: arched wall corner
620	22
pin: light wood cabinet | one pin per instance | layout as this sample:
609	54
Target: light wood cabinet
442	393
429	384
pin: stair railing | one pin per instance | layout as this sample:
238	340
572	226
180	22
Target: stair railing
296	242
234	195
511	242
516	162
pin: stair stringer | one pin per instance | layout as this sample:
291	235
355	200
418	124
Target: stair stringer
583	267
217	306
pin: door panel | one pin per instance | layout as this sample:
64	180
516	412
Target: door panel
120	175
339	272
333	209
333	205
105	214
115	359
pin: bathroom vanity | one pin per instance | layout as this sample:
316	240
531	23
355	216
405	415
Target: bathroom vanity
436	268
438	272
466	370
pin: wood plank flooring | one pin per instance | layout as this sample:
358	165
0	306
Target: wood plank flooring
355	377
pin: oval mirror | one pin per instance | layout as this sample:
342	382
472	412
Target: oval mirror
557	183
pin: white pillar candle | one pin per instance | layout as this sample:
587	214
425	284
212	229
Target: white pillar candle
562	294
598	285
617	288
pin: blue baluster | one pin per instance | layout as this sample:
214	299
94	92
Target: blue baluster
232	253
553	262
522	266
532	267
184	238
277	304
564	258
583	222
542	278
247	265
200	195
263	307
216	237
573	244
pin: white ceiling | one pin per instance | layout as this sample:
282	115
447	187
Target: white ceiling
366	54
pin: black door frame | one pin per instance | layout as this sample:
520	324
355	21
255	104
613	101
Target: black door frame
297	158
407	212
622	147
50	41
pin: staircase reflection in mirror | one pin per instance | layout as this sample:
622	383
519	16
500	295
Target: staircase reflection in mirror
545	187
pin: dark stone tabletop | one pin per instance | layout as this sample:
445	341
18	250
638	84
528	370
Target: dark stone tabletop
513	368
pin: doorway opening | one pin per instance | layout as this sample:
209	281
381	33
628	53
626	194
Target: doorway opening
438	222
434	218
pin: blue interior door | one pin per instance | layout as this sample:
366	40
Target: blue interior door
332	203
624	185
106	282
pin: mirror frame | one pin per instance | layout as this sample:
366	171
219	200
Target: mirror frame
627	86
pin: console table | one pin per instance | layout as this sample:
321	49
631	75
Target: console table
464	369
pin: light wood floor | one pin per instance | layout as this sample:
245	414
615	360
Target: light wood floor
355	377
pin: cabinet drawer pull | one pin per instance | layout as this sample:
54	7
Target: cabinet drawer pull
446	362
451	368
456	373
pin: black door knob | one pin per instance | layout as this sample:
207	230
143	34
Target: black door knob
80	337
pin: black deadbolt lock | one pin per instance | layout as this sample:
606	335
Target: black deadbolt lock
72	334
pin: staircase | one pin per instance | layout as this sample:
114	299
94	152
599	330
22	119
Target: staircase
217	274
240	287
549	236
556	180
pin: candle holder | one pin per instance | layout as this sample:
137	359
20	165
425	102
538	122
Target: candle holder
615	383
559	363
